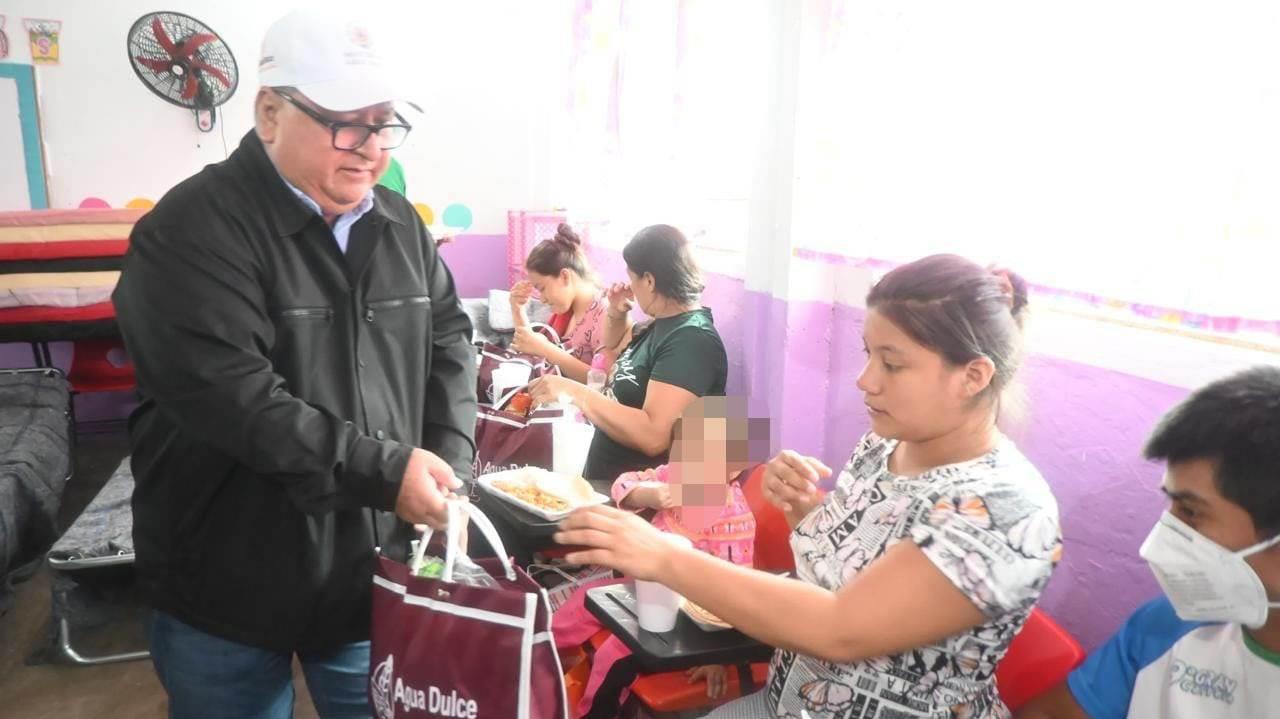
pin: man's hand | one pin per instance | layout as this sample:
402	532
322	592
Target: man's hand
427	481
463	534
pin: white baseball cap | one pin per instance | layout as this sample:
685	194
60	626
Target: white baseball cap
332	60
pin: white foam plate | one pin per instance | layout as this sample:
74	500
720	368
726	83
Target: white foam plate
486	483
704	626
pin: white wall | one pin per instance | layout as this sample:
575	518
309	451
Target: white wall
479	69
1126	149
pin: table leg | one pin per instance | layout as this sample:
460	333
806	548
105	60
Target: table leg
746	681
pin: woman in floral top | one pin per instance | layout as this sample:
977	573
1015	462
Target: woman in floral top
558	271
921	565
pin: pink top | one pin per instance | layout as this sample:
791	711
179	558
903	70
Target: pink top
586	337
731	537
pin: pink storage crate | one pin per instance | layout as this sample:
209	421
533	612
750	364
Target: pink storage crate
526	228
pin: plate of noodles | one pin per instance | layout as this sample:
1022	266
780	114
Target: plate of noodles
546	494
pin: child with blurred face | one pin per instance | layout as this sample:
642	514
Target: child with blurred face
698	496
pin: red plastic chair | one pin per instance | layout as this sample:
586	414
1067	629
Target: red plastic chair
671	692
599	638
575	680
773	534
1041	656
100	365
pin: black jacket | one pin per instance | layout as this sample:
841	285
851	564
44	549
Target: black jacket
283	385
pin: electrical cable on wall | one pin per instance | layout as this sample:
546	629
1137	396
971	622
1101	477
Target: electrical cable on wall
222	129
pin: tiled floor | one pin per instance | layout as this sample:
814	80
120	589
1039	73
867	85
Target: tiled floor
44	691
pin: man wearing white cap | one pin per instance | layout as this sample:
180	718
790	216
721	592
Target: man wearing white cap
305	370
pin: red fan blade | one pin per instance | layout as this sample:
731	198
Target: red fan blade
162	37
154	64
194	42
222	76
189	90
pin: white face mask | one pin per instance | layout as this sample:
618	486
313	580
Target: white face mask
1204	581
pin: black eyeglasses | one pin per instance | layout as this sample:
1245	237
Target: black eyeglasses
352	135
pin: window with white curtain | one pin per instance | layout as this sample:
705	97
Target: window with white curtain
1127	151
664	116
1122	154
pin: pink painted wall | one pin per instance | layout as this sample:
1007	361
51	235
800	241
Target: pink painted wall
477	263
1085	431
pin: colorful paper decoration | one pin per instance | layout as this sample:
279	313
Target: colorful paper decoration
94	203
425	212
458	216
45	38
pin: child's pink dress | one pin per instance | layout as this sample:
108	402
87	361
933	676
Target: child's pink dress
731	537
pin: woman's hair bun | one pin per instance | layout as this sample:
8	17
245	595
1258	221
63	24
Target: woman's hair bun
566	236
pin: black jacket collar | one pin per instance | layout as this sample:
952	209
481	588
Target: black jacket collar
288	214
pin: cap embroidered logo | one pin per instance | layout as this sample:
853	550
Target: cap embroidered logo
360	36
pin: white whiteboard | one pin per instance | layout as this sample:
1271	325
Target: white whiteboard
13	180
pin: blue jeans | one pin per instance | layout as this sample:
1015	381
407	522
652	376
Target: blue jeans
207	677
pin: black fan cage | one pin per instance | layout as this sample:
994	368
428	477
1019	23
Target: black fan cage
199	78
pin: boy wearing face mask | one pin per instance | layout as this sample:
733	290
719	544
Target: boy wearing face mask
1209	648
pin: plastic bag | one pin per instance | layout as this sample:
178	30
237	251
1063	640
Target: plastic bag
456	567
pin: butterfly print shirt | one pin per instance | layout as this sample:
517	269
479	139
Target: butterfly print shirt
990	525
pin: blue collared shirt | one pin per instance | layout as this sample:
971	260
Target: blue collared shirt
341	228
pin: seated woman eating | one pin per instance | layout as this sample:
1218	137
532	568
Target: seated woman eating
559	272
662	366
922	564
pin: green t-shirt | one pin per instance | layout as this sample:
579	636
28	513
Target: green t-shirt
393	178
685	351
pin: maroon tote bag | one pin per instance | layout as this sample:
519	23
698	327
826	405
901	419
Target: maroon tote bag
444	649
